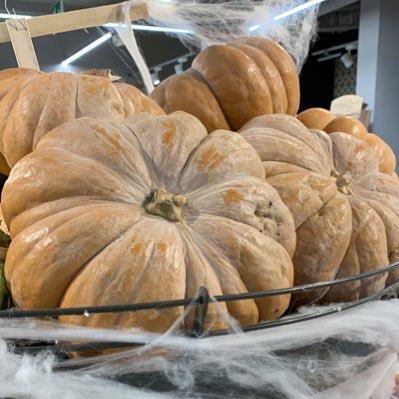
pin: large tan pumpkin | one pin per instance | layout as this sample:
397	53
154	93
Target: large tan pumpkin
102	213
346	212
32	103
229	85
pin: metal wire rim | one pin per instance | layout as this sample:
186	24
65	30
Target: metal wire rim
83	311
100	346
202	301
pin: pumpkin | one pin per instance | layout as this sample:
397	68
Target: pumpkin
347	124
319	118
32	103
102	213
387	159
316	118
346	212
230	84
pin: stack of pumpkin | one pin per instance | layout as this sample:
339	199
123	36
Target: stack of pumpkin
111	201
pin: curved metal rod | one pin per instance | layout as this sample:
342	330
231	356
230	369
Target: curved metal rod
84	311
100	345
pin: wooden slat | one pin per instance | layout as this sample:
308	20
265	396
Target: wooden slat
22	44
74	20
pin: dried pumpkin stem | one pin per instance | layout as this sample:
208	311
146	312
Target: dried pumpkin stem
104	73
166	205
343	181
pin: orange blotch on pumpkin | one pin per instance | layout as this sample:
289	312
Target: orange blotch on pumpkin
136	248
169	134
210	158
113	140
231	196
162	246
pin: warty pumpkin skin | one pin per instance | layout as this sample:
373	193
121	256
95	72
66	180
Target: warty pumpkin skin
230	84
32	103
346	212
102	213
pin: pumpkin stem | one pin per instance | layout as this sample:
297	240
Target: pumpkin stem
164	204
104	73
343	181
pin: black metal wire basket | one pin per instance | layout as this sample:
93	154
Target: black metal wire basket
201	303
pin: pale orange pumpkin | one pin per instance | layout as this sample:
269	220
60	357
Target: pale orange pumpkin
346	212
319	118
316	118
102	213
32	103
230	84
349	125
385	153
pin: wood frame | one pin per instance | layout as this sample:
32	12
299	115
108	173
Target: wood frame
74	20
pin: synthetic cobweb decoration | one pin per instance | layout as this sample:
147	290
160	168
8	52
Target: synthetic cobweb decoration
222	22
351	354
201	24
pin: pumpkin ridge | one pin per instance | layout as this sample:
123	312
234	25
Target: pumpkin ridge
27	82
43	115
286	58
87	264
277	122
125	177
203	80
253	134
318	211
251	99
267	91
188	162
13	268
317	194
94	201
274	85
150	164
11	112
193	252
114	173
364	283
147	266
246	262
118	283
225	291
